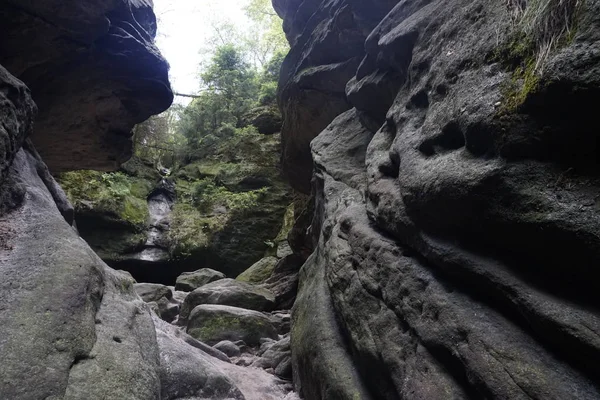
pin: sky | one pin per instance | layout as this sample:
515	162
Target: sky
184	26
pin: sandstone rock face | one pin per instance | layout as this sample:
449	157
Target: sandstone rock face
94	71
70	316
266	119
313	83
71	327
152	291
17	112
454	188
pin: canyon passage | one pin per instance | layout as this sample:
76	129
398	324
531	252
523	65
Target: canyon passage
363	200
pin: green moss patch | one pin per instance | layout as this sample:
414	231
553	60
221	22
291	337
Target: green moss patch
115	194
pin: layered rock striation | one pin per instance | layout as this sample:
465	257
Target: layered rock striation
94	72
456	195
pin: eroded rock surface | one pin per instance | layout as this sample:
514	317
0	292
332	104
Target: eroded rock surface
94	72
73	327
455	182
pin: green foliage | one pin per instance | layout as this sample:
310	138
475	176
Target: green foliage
268	80
230	78
154	140
113	193
189	229
207	195
524	81
545	24
231	91
541	26
265	37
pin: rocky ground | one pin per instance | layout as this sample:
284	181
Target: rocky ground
236	326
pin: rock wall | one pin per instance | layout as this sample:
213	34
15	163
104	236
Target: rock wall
70	326
94	72
456	224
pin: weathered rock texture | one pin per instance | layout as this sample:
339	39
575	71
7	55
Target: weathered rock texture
71	327
456	200
94	72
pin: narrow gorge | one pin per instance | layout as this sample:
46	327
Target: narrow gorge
404	205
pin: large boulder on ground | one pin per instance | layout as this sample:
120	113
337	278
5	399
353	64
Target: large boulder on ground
211	323
228	292
188	371
166	309
189	281
259	271
160	299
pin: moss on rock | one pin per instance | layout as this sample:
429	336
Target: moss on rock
259	271
214	323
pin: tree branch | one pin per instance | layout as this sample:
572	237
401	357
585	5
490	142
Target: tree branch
193	96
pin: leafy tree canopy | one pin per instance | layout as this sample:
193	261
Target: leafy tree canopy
240	73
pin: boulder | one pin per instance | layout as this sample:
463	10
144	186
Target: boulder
282	321
188	281
152	291
259	271
211	323
228	292
167	310
191	370
228	347
188	372
160	299
284	249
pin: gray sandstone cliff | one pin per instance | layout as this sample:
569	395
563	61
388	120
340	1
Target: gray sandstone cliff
454	169
71	327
